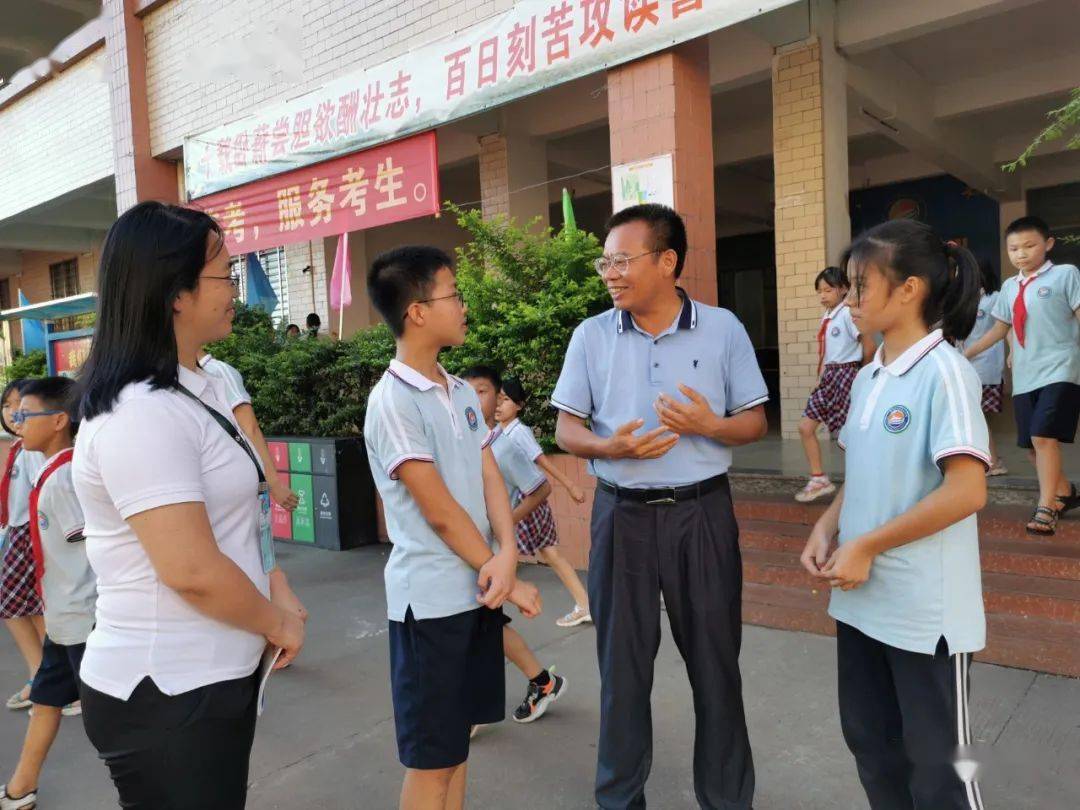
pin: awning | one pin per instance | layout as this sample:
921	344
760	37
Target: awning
53	310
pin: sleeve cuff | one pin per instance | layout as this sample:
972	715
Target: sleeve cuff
963	450
562	406
144	502
489	439
751	404
540	483
392	467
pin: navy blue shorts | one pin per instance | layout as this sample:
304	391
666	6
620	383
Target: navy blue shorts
1050	412
446	675
57	680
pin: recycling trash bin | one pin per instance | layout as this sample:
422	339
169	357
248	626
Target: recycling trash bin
337	494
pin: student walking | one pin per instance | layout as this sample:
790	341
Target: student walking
990	365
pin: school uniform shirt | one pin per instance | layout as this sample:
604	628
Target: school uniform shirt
841	337
1051	350
906	418
411	418
521	435
157	448
614	371
235	392
24	472
68	584
990	365
521	476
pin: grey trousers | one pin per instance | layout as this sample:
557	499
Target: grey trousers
689	551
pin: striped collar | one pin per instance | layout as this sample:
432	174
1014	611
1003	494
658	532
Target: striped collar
687	316
832	313
1025	280
905	362
410	376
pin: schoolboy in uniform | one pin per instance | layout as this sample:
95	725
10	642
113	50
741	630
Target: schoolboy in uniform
1041	304
444	498
65	580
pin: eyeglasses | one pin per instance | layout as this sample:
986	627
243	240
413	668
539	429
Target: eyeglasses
620	263
20	416
232	278
458	295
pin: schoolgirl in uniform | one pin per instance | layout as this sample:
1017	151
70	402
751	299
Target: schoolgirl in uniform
905	577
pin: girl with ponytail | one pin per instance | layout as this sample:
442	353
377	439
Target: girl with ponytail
899	545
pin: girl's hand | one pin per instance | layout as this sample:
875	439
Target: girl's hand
849	566
577	493
816	552
283	496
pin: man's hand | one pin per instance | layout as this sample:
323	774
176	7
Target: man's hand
497	579
526	597
849	566
693	418
283	496
653	444
816	552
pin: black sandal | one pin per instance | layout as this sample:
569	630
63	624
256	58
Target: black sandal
1043	517
1068	502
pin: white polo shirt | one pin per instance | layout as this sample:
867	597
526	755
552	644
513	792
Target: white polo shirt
157	448
521	435
67	581
841	337
24	472
235	391
521	476
905	418
990	365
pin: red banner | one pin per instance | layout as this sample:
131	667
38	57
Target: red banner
69	354
389	183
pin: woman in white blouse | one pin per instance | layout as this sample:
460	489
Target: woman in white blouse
188	593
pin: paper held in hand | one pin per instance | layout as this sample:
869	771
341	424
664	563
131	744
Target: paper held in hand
270	657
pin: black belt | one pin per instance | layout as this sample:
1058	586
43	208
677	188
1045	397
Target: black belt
664	495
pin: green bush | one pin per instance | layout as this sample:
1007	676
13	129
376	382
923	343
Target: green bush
22	366
526	291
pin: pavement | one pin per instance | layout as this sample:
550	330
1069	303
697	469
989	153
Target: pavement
327	738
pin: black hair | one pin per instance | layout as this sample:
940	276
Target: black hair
292	326
313	320
834	277
513	388
989	278
903	249
1028	224
13	385
152	253
401	277
668	228
55	392
484	372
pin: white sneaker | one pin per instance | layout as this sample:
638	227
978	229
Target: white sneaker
998	468
72	709
817	487
578	615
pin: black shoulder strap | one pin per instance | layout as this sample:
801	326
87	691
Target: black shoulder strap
229	428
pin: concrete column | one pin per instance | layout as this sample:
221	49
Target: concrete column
139	176
659	105
811	190
307	289
513	177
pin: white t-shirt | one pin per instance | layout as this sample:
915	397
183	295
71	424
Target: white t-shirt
67	581
235	391
990	364
23	474
842	337
157	448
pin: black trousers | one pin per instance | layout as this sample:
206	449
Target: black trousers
690	552
185	752
905	718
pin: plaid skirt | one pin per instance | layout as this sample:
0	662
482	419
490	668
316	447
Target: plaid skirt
830	401
18	594
537	531
992	397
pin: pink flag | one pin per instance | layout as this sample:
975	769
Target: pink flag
341	280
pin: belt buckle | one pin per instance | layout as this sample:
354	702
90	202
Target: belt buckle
663	501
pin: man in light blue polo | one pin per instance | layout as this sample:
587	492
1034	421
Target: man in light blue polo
654	393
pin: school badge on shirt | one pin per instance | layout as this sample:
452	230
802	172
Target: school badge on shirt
897	418
1044	292
835	331
43	521
470	417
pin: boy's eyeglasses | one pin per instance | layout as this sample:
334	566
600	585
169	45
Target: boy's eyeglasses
19	417
458	295
620	263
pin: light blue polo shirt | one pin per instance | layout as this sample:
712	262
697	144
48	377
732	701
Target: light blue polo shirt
614	371
1051	350
521	475
522	435
905	418
411	418
990	365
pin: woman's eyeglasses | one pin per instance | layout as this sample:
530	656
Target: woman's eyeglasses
232	278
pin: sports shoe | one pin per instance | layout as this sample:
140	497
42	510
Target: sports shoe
998	468
538	698
817	487
25	802
17	701
578	615
72	709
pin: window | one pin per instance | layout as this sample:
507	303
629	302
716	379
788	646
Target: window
64	278
273	264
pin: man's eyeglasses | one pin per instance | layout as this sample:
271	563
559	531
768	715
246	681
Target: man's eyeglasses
19	417
458	295
232	278
620	262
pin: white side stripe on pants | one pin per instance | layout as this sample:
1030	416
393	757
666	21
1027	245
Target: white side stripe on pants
962	665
